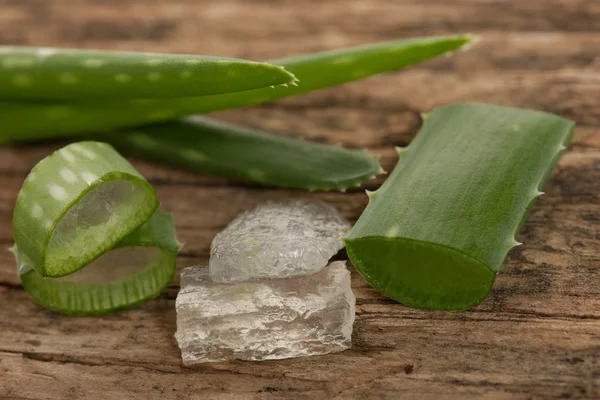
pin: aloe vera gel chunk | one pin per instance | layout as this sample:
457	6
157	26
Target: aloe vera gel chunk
436	233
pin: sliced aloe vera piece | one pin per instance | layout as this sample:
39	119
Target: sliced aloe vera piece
27	121
436	233
137	269
31	73
206	145
76	204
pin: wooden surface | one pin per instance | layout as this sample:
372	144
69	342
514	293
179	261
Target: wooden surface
536	336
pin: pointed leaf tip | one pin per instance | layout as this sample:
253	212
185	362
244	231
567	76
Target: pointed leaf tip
401	150
471	40
370	193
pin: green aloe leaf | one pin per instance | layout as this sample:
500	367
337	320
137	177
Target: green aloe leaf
437	232
22	121
88	238
32	73
136	269
77	203
208	146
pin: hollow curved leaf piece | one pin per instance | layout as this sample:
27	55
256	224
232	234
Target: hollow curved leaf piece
26	121
436	233
76	204
206	145
31	73
137	269
88	238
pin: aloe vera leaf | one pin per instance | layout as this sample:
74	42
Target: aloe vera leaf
436	233
206	145
75	205
137	269
32	73
27	121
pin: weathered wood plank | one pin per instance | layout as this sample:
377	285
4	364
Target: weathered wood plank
536	336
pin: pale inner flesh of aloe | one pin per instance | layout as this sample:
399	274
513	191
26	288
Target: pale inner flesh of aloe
115	266
96	223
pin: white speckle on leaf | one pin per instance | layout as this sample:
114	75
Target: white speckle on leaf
67	155
193	155
22	80
154	76
186	74
342	61
83	151
11	62
88	177
143	140
68	79
155	61
44	52
393	231
161	115
68	175
36	211
57	192
93	63
122	78
256	174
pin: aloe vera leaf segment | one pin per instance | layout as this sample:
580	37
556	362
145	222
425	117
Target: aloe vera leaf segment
48	74
437	232
22	121
204	145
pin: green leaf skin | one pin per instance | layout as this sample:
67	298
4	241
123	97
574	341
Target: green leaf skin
205	145
28	121
76	204
31	73
97	290
436	233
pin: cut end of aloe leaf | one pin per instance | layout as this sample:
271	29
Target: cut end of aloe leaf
135	270
106	213
438	230
88	238
76	204
121	278
421	275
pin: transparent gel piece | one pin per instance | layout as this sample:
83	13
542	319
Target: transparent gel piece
277	240
264	319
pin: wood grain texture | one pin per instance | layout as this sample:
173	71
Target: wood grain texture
538	334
